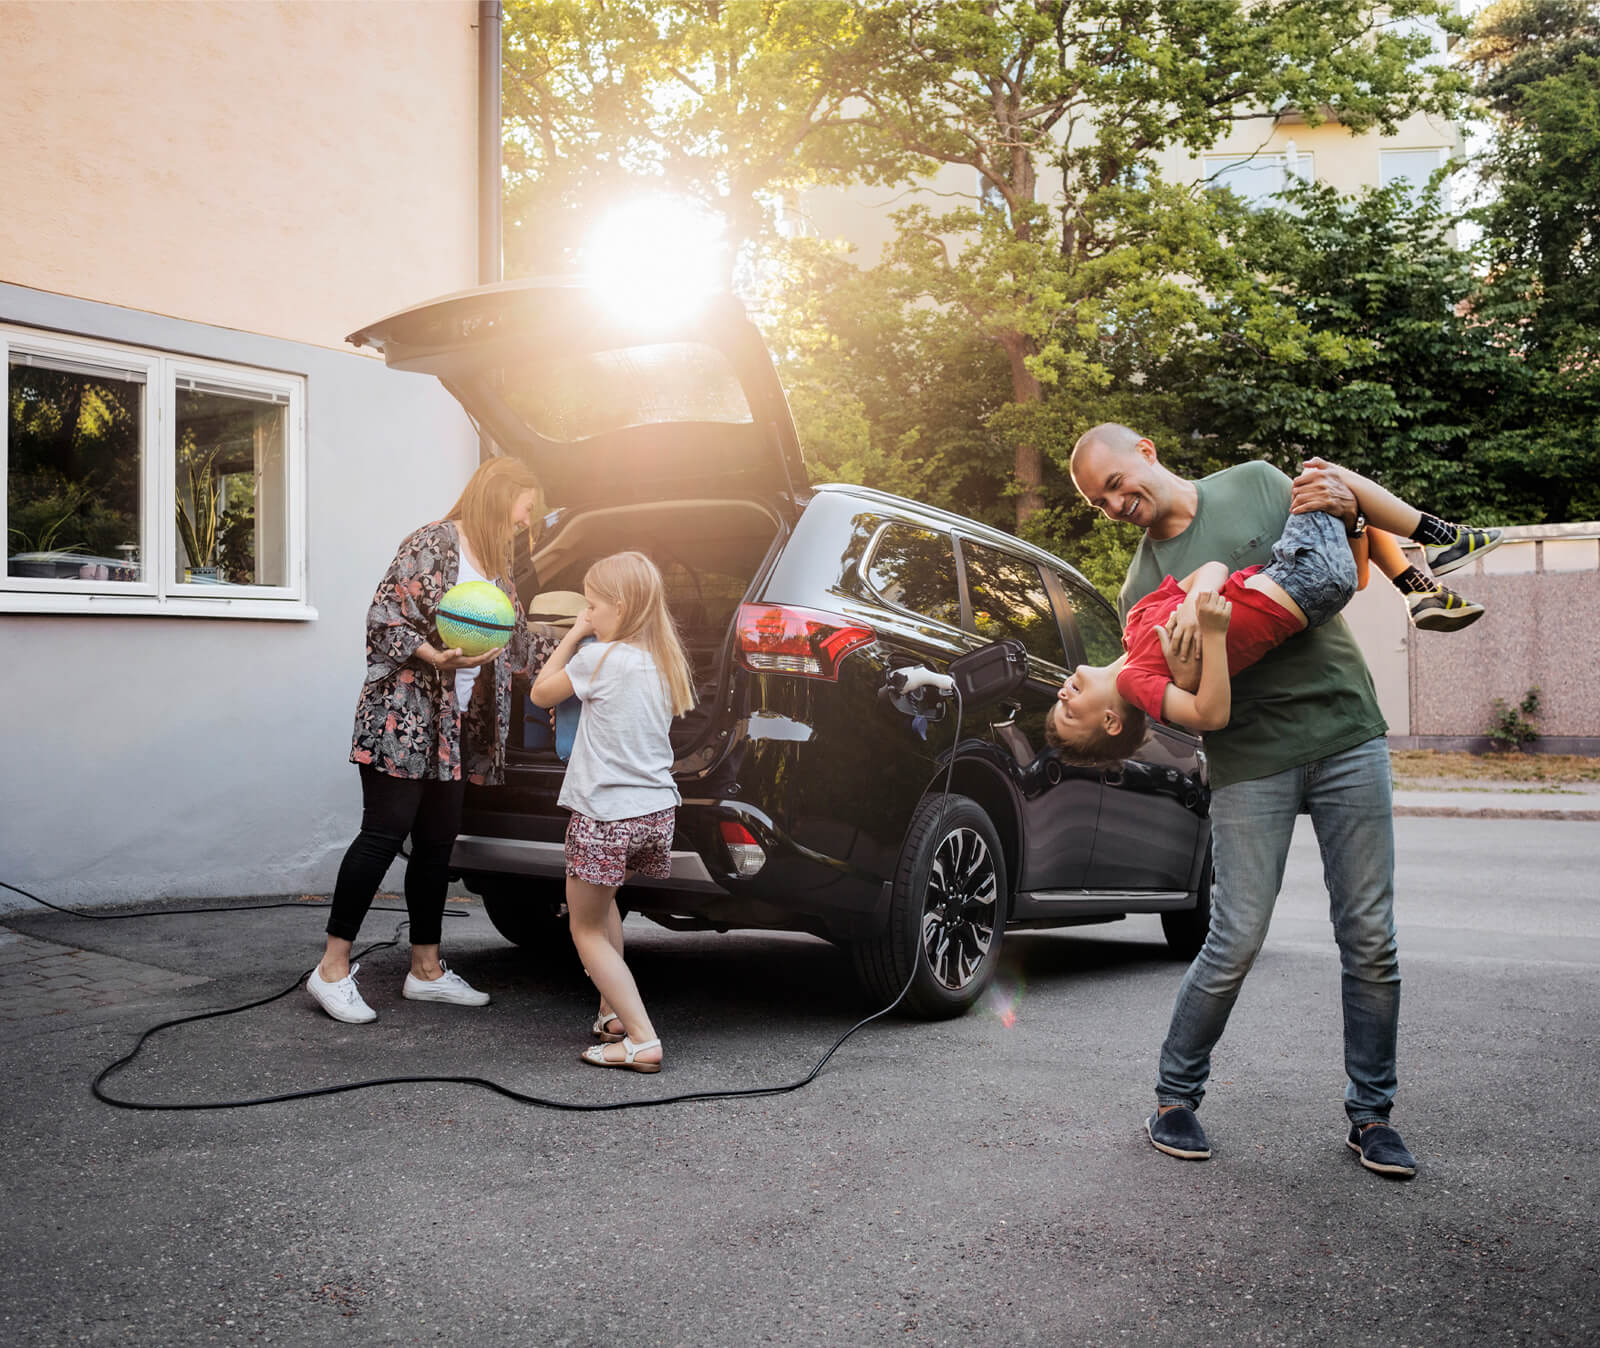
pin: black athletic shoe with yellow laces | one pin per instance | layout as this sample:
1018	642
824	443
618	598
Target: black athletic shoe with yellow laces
1468	544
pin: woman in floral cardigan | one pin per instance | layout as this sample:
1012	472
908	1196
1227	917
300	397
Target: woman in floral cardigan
429	719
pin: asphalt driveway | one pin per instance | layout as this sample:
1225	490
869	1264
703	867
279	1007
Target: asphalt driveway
981	1180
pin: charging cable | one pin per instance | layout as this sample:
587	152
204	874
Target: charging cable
945	686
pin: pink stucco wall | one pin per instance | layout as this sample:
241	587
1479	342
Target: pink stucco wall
292	169
1537	632
1539	590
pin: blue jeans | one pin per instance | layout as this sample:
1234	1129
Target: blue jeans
1348	798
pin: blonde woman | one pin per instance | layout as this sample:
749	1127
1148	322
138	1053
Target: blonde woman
428	720
632	680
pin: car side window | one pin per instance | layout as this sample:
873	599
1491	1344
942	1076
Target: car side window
1096	621
1009	600
915	568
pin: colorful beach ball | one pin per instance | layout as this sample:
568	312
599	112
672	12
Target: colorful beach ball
475	616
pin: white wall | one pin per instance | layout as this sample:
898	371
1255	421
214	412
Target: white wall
148	757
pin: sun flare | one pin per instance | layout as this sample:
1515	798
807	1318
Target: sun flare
658	256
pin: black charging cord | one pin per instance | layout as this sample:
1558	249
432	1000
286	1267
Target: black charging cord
100	1092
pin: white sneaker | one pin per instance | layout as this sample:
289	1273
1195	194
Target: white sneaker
447	987
340	1000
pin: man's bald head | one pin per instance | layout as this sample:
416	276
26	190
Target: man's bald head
1110	436
1115	470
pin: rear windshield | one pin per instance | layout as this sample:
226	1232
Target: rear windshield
575	396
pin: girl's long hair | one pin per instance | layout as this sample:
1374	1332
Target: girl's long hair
483	512
631	581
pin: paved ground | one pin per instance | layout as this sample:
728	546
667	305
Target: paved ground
977	1181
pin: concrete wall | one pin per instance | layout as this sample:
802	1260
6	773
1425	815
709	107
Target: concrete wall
1539	588
206	756
294	169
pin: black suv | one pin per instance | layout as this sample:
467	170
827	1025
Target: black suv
813	778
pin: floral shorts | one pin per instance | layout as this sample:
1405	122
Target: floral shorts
603	851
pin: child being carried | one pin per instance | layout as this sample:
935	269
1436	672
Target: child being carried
1101	711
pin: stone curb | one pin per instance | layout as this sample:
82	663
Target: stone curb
1492	812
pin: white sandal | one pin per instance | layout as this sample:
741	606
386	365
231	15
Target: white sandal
599	1031
595	1056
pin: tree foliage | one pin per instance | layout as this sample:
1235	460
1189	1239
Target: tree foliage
1044	275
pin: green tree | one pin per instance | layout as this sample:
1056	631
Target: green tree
1077	254
730	103
1403	371
1538	67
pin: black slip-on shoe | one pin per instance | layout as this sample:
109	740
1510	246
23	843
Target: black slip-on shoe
1381	1150
1178	1133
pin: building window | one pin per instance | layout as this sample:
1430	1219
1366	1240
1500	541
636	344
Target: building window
1257	179
1413	168
139	481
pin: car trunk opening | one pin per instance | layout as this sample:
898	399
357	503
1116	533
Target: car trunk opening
709	553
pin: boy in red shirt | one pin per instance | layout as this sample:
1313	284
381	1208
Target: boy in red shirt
1101	710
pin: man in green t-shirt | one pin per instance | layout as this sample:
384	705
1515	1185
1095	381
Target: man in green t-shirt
1306	736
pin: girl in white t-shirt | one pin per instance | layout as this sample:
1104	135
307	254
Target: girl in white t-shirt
632	680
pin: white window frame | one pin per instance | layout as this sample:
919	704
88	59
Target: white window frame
1302	166
159	591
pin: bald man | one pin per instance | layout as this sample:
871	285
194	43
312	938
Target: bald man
1306	737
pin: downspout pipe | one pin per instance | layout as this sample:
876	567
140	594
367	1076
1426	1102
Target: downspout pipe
489	150
489	133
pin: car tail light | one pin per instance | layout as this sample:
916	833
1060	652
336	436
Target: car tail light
743	849
781	639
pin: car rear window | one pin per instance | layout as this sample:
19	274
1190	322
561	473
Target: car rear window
575	395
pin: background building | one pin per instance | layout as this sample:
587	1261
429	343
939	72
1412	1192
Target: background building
203	483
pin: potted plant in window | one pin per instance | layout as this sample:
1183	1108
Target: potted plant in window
198	530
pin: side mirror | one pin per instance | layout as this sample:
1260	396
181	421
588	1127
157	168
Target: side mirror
990	671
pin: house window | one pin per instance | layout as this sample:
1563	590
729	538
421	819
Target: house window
1257	179
139	482
1412	168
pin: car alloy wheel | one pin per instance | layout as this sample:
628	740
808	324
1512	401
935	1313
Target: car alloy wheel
947	913
958	917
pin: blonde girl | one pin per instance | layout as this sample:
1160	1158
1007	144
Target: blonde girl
632	680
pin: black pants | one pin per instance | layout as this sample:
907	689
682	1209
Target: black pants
391	807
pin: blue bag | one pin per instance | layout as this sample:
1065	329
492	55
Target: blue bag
566	719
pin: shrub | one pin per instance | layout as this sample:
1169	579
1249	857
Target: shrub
1512	727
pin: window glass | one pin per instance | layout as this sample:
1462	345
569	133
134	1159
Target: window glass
916	569
1257	179
582	394
231	486
1009	600
1097	623
1413	168
74	451
138	481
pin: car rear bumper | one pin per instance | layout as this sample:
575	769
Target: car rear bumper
525	856
797	888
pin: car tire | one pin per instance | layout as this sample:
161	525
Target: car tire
948	934
1186	928
524	909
